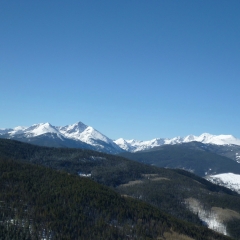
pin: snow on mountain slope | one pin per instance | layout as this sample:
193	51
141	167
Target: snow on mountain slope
5	130
16	130
73	131
84	133
238	157
90	135
213	139
229	180
135	145
80	131
124	144
210	217
32	131
39	129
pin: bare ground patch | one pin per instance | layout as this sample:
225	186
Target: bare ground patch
131	183
160	179
174	236
225	214
150	175
154	177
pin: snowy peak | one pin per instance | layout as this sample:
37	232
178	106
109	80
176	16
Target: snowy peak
127	145
39	129
87	134
16	130
32	131
213	139
174	140
189	138
78	128
135	145
82	132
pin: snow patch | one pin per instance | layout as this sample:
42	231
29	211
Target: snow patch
229	180
209	217
238	157
84	174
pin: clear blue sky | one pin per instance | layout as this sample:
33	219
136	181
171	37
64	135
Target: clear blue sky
129	68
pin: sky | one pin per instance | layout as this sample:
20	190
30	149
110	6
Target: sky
134	69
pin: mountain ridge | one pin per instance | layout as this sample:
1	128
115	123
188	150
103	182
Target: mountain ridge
206	138
82	135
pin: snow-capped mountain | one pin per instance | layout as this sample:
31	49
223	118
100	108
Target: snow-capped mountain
135	145
83	136
84	133
213	139
206	138
38	129
229	180
89	135
32	131
75	135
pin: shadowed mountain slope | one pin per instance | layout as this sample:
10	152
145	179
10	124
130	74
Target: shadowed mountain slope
190	156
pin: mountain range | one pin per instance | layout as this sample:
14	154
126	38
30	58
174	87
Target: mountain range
206	138
79	135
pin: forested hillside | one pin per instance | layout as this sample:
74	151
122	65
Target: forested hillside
108	169
37	203
166	189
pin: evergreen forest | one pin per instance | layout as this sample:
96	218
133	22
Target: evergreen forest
43	196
